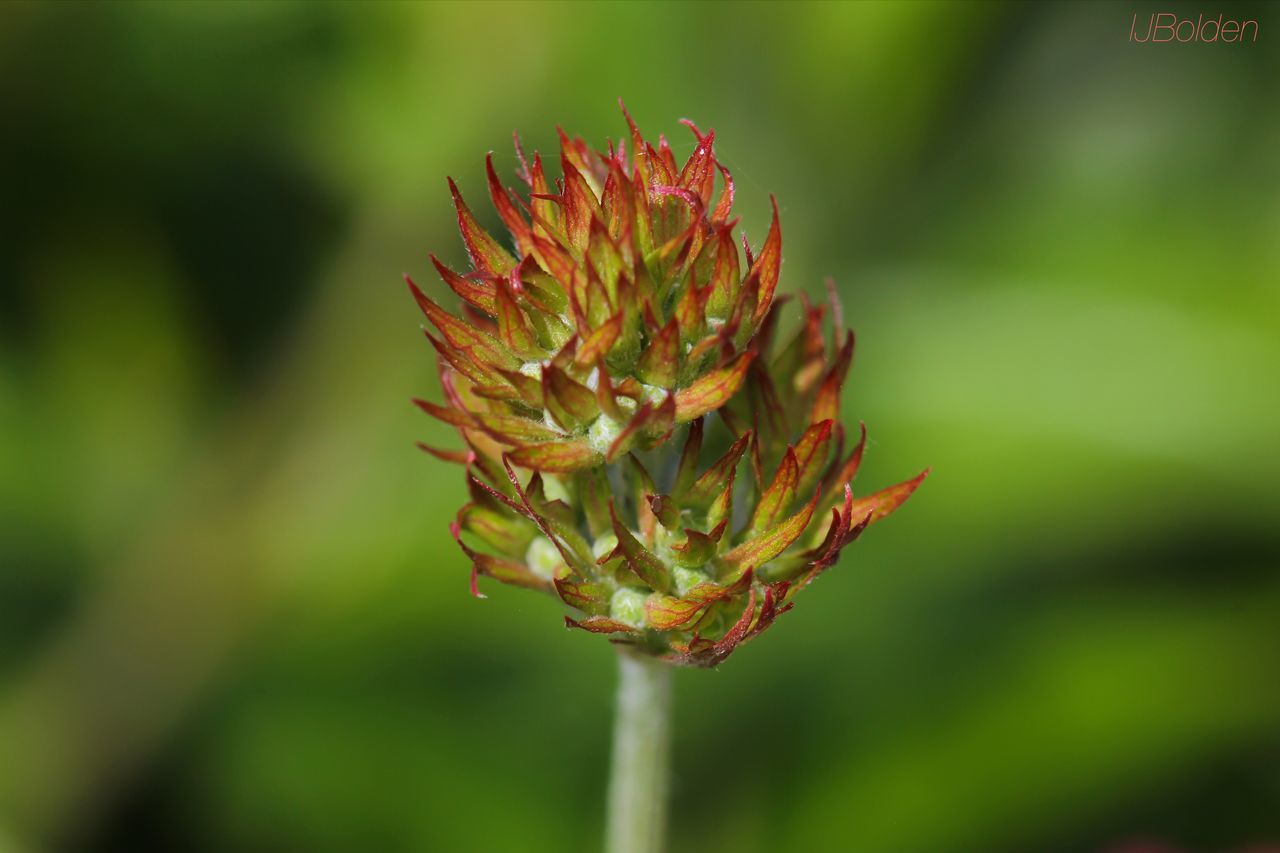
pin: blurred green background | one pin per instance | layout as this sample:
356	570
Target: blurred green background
231	616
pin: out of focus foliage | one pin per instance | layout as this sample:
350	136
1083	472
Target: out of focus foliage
231	616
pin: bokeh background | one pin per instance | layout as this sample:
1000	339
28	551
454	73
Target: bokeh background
231	616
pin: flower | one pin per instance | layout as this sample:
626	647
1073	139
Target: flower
641	441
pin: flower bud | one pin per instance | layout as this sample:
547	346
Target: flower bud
641	439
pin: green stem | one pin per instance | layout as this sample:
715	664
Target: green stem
638	782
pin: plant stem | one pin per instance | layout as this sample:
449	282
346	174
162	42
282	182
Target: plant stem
639	779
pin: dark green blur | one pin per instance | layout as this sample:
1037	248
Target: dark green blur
232	617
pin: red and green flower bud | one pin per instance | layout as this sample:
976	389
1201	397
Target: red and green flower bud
640	437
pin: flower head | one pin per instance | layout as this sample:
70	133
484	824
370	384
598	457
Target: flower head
641	440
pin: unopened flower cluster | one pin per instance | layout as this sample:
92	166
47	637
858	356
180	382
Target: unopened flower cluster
641	438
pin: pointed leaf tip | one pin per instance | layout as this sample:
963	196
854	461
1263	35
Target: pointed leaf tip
486	253
768	265
640	559
600	625
765	547
881	504
556	457
712	390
